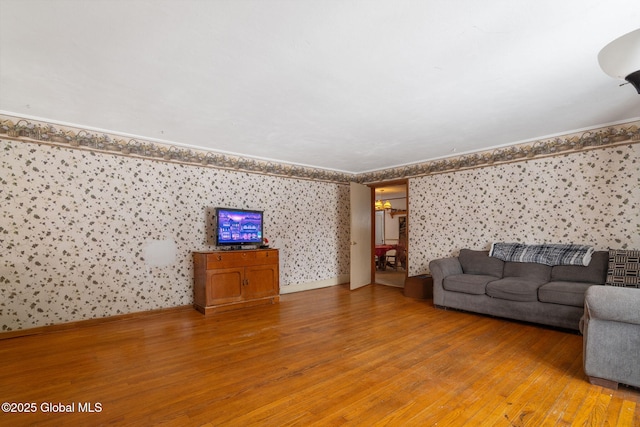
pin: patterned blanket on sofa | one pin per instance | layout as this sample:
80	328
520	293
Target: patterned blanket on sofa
549	254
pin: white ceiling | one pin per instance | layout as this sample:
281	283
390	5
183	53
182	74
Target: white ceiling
348	85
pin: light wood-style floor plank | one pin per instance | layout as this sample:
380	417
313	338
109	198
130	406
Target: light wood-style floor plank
327	357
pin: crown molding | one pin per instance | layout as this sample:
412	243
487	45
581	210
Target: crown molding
610	136
30	130
36	131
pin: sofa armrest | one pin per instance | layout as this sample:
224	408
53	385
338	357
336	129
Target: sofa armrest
441	268
612	303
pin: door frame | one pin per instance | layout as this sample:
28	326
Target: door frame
374	186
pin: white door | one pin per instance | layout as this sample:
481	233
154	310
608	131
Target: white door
360	235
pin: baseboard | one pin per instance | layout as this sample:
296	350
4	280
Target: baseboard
89	322
338	280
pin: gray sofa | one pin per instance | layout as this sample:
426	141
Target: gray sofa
611	329
531	292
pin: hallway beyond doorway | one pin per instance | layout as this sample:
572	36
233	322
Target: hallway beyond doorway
390	277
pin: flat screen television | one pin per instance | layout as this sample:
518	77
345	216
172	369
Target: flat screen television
238	227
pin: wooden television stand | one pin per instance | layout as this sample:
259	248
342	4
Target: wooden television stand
226	280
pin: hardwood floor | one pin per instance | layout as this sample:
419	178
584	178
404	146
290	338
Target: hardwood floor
325	357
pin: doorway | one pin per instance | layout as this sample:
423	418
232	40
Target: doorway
390	234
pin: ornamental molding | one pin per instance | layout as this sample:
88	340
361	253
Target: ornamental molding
611	136
33	131
28	130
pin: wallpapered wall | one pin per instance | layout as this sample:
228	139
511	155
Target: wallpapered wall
86	235
590	197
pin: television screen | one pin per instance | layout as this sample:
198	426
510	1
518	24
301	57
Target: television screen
238	227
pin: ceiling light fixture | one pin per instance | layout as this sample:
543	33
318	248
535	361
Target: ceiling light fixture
621	58
380	205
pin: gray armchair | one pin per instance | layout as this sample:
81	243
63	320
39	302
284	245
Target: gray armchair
611	329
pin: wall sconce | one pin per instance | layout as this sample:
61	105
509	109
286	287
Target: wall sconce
621	58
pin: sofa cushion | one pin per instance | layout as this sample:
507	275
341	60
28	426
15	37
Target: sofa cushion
595	272
514	289
532	271
565	293
479	262
474	284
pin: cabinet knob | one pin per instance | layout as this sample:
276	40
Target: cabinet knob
219	257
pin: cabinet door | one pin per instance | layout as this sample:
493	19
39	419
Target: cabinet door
224	285
261	281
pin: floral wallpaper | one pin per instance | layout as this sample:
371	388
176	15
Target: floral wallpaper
85	234
590	197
